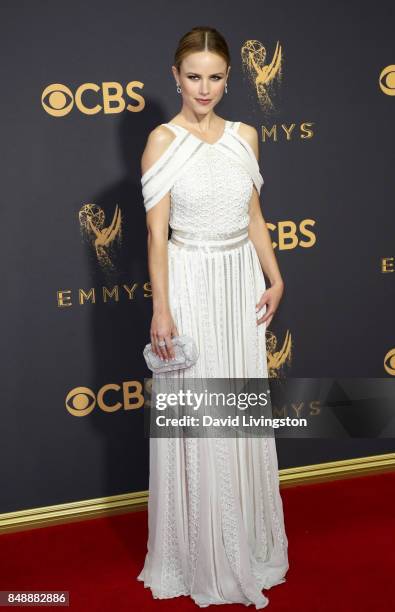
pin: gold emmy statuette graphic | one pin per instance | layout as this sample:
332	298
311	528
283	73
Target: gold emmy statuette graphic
262	75
276	360
102	238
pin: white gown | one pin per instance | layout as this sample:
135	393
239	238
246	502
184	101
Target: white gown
215	514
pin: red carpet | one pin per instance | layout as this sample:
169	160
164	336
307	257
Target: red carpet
341	551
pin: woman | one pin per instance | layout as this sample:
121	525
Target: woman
216	529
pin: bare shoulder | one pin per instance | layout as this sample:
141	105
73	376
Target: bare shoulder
250	134
159	139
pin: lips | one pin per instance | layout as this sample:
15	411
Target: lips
203	100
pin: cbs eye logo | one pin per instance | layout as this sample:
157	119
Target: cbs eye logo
389	362
387	80
58	100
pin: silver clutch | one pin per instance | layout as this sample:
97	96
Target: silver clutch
186	354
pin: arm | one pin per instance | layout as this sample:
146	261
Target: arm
162	326
260	237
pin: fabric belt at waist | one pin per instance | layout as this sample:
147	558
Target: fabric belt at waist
202	240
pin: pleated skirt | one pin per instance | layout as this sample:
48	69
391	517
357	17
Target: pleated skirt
215	514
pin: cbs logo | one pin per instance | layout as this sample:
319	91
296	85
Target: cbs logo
387	80
389	362
58	99
291	235
81	401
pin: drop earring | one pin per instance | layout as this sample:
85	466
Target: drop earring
178	88
226	88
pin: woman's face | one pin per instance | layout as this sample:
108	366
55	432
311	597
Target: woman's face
202	77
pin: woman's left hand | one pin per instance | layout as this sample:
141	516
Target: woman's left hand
271	297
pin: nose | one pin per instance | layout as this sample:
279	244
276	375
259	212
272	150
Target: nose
204	88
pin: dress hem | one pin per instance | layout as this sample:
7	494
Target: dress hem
266	584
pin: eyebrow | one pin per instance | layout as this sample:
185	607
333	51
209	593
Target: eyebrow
214	74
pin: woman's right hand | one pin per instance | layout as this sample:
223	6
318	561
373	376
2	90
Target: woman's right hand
163	328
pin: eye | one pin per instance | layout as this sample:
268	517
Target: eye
194	76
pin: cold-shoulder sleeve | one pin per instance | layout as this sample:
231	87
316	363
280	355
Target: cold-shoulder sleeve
158	180
159	177
255	172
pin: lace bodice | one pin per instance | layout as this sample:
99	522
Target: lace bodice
210	185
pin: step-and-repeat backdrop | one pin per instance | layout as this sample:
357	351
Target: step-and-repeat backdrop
82	86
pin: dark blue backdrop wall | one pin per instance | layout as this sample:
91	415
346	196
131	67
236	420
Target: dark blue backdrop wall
82	85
